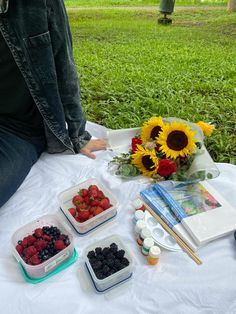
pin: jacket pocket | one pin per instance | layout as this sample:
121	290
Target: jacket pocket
41	56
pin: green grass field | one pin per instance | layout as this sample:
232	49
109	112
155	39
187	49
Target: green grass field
132	68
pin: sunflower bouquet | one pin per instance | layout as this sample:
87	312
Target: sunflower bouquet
165	148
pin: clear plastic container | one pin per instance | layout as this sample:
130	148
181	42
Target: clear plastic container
121	276
41	270
82	228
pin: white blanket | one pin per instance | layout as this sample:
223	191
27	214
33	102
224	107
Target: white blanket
176	285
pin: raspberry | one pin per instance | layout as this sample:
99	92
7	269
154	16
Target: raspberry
59	245
24	242
30	251
40	245
38	232
35	260
31	239
19	249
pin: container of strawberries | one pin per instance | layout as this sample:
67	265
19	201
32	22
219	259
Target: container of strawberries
88	205
42	245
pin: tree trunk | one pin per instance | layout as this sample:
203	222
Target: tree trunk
231	6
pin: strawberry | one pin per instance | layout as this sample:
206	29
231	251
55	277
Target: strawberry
83	192
90	216
91	210
105	203
81	207
93	187
100	194
98	210
19	249
86	199
38	232
72	211
94	202
34	260
84	215
77	199
59	245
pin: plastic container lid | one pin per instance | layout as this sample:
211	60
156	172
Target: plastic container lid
148	243
154	251
139	214
145	233
140	224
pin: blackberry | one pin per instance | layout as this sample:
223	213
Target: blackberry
100	275
110	256
105	251
96	265
114	247
120	254
98	250
110	262
91	254
117	265
105	270
124	261
100	257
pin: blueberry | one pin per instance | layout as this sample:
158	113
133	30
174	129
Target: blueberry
19	242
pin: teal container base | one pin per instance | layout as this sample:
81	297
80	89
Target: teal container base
61	267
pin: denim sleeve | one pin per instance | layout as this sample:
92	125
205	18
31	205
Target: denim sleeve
68	82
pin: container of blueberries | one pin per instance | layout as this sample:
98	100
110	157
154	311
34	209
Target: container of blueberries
109	263
43	247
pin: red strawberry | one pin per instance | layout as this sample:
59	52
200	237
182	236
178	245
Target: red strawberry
72	211
77	219
38	232
59	245
100	194
19	249
98	210
83	192
93	193
93	187
94	202
84	215
34	260
90	216
77	199
86	199
105	203
81	207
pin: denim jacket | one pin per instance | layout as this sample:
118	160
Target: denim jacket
38	35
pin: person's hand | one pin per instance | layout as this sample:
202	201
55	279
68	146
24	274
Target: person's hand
92	146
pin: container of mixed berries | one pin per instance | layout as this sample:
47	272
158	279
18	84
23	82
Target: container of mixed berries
109	263
42	245
88	205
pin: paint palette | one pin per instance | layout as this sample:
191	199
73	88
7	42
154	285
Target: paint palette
159	235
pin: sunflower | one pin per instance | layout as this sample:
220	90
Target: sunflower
145	160
206	128
177	140
151	129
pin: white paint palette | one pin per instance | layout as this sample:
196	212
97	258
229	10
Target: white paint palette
160	236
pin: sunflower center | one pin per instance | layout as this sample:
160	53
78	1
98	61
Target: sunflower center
177	140
155	132
147	162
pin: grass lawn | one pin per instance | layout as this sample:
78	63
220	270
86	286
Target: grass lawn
132	68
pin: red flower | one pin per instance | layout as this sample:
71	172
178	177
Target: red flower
135	141
166	167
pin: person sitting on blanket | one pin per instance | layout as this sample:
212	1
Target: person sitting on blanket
39	93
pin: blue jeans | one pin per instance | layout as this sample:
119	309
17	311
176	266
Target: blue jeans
17	156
